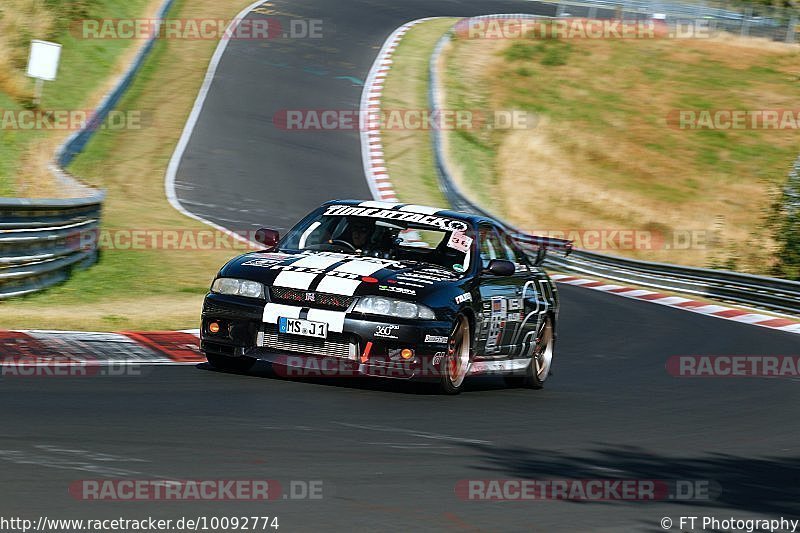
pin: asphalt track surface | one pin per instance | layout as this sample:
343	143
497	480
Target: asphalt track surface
390	455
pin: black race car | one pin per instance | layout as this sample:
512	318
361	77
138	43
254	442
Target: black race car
387	290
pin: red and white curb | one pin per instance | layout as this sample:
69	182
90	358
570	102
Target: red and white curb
687	304
52	348
371	144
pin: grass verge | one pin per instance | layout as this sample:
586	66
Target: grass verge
147	288
606	153
601	154
86	66
409	153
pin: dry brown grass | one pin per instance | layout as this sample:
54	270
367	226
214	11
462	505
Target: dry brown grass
183	311
35	179
20	21
602	155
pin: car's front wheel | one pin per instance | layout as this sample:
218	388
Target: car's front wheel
456	364
236	364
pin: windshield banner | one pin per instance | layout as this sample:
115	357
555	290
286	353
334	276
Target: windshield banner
445	224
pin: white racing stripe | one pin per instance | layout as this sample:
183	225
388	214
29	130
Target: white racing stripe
361	268
334	319
295	280
273	311
348	287
318	261
336	285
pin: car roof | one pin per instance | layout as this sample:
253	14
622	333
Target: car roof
428	210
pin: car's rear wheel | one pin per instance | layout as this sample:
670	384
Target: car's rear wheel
456	364
236	364
542	358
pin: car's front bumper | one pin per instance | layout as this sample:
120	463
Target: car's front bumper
365	346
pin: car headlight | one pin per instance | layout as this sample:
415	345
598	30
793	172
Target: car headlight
238	287
378	305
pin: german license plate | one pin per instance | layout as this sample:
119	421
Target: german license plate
299	326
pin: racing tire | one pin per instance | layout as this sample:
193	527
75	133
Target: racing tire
235	364
542	357
455	365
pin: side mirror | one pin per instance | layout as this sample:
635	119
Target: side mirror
268	237
501	267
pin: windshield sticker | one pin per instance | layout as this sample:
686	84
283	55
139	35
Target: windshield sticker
459	241
445	224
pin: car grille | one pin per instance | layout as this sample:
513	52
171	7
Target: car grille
317	300
232	311
336	345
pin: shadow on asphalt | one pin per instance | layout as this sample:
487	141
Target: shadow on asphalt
472	385
765	485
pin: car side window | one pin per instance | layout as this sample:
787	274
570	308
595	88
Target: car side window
491	246
513	253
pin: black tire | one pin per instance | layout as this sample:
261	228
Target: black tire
455	364
542	357
235	364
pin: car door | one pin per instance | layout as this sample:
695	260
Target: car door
534	298
500	297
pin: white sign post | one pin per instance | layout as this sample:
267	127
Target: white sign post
43	64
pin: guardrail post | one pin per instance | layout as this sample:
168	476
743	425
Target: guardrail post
746	21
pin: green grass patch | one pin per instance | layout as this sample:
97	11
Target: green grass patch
603	131
154	288
85	66
409	153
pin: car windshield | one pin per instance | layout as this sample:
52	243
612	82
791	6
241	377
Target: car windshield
388	234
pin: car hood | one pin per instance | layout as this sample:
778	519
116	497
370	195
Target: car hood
340	273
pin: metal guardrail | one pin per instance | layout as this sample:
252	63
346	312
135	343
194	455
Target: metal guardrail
43	240
768	293
754	20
